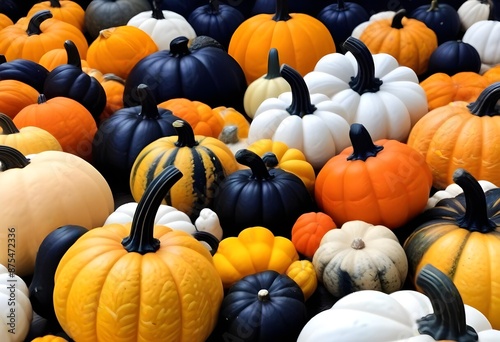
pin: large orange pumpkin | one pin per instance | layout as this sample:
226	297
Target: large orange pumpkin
15	95
68	11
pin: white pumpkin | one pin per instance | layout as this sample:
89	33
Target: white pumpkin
453	190
162	26
229	136
484	36
358	30
374	90
15	307
472	11
311	123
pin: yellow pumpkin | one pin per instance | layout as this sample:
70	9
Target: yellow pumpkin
304	274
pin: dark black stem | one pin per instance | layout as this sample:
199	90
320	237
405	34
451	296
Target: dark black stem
365	80
270	160
41	98
55	4
301	99
185	134
113	77
362	143
397	20
141	239
7	125
281	13
3	59
10	158
485	104
254	162
341	5
73	54
209	238
149	107
35	21
214	6
273	64
157	12
179	46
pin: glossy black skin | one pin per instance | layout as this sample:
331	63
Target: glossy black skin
24	70
453	57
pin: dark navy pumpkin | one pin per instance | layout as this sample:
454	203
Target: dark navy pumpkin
258	196
182	7
454	56
69	80
310	7
207	74
23	70
11	9
442	18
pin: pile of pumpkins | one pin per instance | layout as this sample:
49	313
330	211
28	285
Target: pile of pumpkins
249	171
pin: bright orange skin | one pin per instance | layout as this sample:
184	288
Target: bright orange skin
56	57
15	95
232	117
70	12
308	231
5	21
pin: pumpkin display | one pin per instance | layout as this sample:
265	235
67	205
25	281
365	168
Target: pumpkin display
68	11
255	249
408	40
304	274
366	181
373	89
472	11
40	34
484	36
454	56
442	18
27	140
467	227
142	270
14	302
23	70
205	73
47	177
69	80
204	162
308	230
113	86
258	196
263	307
460	135
302	120
15	95
162	25
56	57
301	40
74	132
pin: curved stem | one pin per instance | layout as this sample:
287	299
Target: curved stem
214	6
73	54
475	217
273	64
448	320
485	104
397	20
270	160
365	80
281	13
10	158
434	6
185	134
362	143
157	12
254	162
301	99
179	46
7	125
208	238
341	5
113	77
55	4
35	21
41	98
141	239
149	108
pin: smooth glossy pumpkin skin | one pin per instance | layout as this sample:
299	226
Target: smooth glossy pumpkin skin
454	56
441	17
23	70
56	57
304	274
15	95
308	231
68	11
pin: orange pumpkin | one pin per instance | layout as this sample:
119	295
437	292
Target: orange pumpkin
5	21
308	231
56	57
15	95
68	11
492	75
233	118
97	74
113	87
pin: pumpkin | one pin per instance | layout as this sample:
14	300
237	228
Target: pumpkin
23	70
56	57
233	117
5	21
484	36
255	249
103	14
454	56
257	196
231	137
15	95
68	11
147	266
113	86
467	227
12	9
454	190
460	134
40	34
183	7
304	274
48	176
472	11
49	254
69	80
300	39
492	75
27	140
270	85
358	30
204	162
162	26
302	120
373	90
263	307
408	40
366	181
74	132
197	114
49	338
297	6
308	230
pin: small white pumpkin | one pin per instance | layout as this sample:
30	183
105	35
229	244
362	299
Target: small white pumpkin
472	11
484	36
453	190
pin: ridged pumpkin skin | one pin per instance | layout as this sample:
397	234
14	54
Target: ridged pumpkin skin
49	338
304	274
5	21
308	231
15	95
68	11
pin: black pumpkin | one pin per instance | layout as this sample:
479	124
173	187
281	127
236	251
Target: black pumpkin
442	18
294	6
257	196
11	9
23	70
69	80
263	307
454	56
182	7
207	74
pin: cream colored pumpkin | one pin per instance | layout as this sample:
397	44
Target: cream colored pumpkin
229	136
358	30
472	11
454	190
484	36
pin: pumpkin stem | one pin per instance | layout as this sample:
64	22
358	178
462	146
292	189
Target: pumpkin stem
3	59
301	99
35	21
281	13
55	4
214	6
358	243
270	160
7	125
10	158
448	320
362	143
149	108
185	134
397	20
341	5
113	77
41	98
141	239
365	80
263	295
254	162
475	217
157	12
73	54
179	46
273	65
434	6
209	239
229	134
485	104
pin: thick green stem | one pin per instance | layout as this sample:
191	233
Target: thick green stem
273	64
365	80
73	54
254	162
179	46
485	104
141	239
214	6
185	134
301	99
475	217
362	143
149	108
434	6
10	158
448	320
157	12
7	125
281	13
36	20
55	4
397	20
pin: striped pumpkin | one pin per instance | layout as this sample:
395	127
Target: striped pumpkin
203	161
